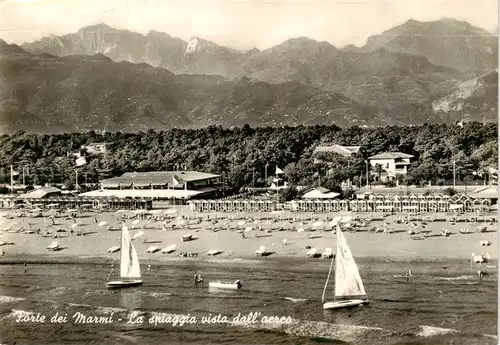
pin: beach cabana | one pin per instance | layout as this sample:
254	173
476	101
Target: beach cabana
353	206
442	206
362	206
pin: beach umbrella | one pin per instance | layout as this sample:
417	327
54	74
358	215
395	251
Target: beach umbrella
74	225
241	223
103	223
248	229
137	221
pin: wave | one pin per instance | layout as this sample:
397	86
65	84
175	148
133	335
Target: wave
317	329
295	300
431	331
463	277
295	327
10	299
15	313
159	294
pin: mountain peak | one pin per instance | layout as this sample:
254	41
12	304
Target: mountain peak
194	45
97	27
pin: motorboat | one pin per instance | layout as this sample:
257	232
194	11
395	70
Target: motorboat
236	285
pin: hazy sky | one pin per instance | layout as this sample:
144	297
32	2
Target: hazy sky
240	24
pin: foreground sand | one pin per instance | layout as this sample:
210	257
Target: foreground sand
96	242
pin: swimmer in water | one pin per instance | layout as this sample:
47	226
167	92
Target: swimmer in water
198	279
481	274
409	275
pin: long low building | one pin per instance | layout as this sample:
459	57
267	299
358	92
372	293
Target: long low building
160	185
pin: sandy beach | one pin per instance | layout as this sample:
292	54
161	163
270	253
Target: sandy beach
396	244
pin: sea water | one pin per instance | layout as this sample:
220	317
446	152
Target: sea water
279	303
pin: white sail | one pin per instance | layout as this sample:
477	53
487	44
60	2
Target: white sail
129	265
347	279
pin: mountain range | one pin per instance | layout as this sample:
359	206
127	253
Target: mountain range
90	79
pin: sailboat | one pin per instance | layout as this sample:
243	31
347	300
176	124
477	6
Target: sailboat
349	289
130	271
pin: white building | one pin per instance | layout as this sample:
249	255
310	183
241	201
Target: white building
391	164
95	148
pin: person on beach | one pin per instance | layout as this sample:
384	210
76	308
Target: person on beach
238	283
25	267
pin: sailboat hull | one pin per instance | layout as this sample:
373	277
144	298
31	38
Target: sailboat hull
120	284
344	304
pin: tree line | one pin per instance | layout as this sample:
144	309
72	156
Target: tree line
245	156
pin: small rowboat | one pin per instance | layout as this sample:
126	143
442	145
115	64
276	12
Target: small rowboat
225	285
187	238
152	249
53	246
114	249
169	249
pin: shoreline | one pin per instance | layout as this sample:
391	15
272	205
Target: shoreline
48	259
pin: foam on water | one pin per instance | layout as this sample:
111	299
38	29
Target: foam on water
304	328
463	277
297	327
430	331
159	294
10	299
295	300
